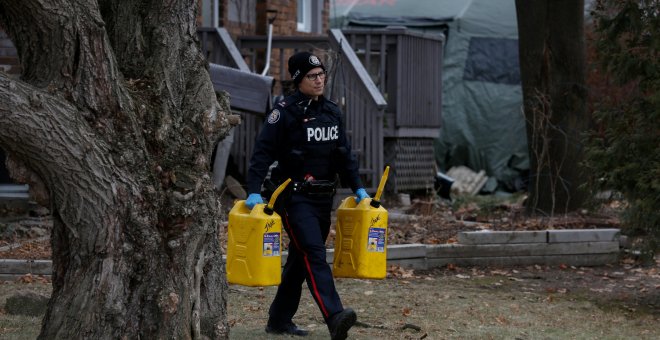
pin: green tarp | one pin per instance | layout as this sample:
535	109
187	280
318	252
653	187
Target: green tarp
483	122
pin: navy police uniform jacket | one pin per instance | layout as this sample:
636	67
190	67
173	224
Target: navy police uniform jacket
307	138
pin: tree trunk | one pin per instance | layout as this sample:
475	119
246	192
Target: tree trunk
552	67
113	122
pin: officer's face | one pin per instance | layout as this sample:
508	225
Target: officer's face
313	83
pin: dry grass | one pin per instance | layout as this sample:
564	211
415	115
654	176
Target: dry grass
456	303
17	327
462	305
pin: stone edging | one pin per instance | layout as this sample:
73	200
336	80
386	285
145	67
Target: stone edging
574	247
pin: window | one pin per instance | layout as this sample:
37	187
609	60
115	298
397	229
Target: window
242	11
304	16
309	15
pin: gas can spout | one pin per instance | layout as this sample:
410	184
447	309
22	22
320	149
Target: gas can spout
375	202
268	209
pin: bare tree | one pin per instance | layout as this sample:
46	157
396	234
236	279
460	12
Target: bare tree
112	123
552	66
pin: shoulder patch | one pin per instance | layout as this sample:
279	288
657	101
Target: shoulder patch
274	116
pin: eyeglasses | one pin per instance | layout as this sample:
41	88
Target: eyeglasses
313	76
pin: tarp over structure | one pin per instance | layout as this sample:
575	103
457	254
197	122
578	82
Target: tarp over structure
483	123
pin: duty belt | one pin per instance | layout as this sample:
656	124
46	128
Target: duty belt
320	188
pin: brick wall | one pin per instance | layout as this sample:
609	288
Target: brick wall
286	24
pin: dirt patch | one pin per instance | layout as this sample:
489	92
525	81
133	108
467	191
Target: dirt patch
466	303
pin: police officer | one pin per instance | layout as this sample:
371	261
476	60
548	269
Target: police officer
306	135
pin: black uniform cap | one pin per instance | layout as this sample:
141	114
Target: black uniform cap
300	63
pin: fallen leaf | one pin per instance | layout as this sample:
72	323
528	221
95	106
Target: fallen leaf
27	278
500	272
406	311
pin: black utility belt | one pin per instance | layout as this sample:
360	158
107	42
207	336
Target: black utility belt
320	188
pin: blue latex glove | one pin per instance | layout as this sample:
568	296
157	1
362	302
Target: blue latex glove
253	200
361	194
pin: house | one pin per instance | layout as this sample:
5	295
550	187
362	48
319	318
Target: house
250	18
251	87
365	67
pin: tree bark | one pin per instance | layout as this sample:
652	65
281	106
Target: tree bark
113	122
552	65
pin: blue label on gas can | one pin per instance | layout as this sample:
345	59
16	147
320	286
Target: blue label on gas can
376	240
271	244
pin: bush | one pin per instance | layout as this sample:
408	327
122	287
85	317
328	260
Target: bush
623	152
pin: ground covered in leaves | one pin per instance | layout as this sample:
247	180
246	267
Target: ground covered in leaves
536	302
24	230
617	301
620	301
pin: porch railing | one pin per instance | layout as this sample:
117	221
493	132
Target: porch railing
218	48
387	82
407	68
349	85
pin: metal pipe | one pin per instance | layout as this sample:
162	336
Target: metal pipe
216	12
268	48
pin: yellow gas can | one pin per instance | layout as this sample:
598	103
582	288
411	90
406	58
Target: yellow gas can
361	238
254	243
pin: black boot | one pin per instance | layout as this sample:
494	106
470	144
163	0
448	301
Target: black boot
289	328
340	323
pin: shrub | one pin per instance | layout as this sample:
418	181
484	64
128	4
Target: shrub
623	150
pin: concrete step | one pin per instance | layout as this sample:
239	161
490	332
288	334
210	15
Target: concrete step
502	237
37	267
583	235
520	249
583	260
542	236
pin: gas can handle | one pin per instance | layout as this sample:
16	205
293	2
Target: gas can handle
268	209
375	202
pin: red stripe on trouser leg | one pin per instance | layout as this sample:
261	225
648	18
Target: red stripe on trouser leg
315	290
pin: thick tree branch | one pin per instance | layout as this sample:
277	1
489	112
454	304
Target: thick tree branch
157	42
75	58
52	140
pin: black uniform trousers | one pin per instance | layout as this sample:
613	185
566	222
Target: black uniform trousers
307	222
